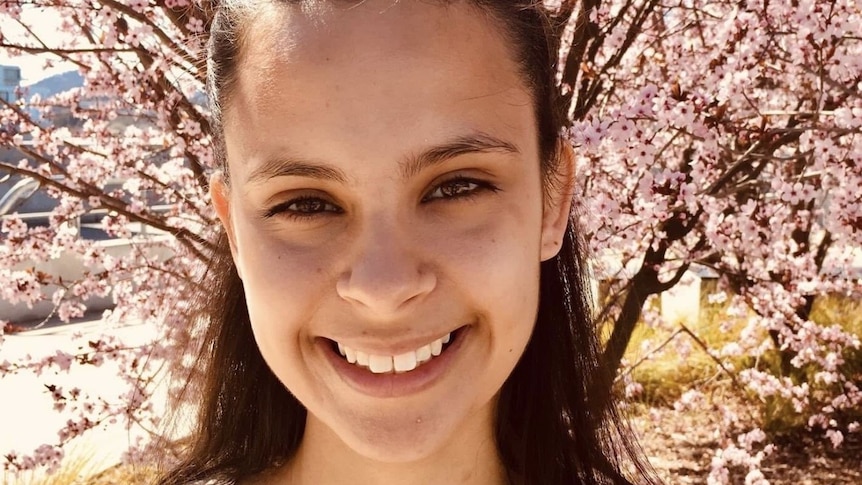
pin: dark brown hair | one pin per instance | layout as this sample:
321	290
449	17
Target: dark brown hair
553	424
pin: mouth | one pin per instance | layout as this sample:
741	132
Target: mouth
397	364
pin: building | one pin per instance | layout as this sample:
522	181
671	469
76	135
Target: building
10	78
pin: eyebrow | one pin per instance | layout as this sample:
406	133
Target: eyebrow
477	142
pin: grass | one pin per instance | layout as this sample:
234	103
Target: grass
123	474
82	466
835	308
681	363
667	374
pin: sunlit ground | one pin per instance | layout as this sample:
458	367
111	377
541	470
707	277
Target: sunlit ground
27	419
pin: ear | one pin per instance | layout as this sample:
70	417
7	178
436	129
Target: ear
220	196
558	203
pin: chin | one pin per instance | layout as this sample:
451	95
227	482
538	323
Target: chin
398	441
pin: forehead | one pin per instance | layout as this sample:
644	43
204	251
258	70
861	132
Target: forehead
379	70
348	34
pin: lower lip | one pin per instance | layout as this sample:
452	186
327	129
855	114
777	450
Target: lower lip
394	384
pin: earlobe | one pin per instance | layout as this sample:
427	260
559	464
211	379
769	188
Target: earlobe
220	196
558	205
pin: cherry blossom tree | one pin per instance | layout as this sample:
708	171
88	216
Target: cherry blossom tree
712	136
726	136
141	62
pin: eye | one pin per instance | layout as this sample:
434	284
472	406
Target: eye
303	208
459	188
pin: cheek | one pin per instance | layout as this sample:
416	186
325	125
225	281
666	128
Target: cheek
495	265
282	283
284	288
494	270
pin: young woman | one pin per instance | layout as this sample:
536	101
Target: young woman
399	294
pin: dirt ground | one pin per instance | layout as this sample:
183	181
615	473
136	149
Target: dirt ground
681	445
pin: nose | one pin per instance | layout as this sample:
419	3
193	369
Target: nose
386	273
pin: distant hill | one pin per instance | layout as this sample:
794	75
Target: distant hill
56	84
61	83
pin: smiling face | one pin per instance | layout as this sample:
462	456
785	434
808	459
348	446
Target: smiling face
385	196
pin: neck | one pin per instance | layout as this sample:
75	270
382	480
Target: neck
468	458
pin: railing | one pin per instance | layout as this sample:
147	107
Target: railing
19	193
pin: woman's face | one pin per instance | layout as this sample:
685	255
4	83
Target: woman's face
385	192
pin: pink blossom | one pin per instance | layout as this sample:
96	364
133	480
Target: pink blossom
138	5
195	25
835	436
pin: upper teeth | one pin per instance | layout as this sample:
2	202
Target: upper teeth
380	364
